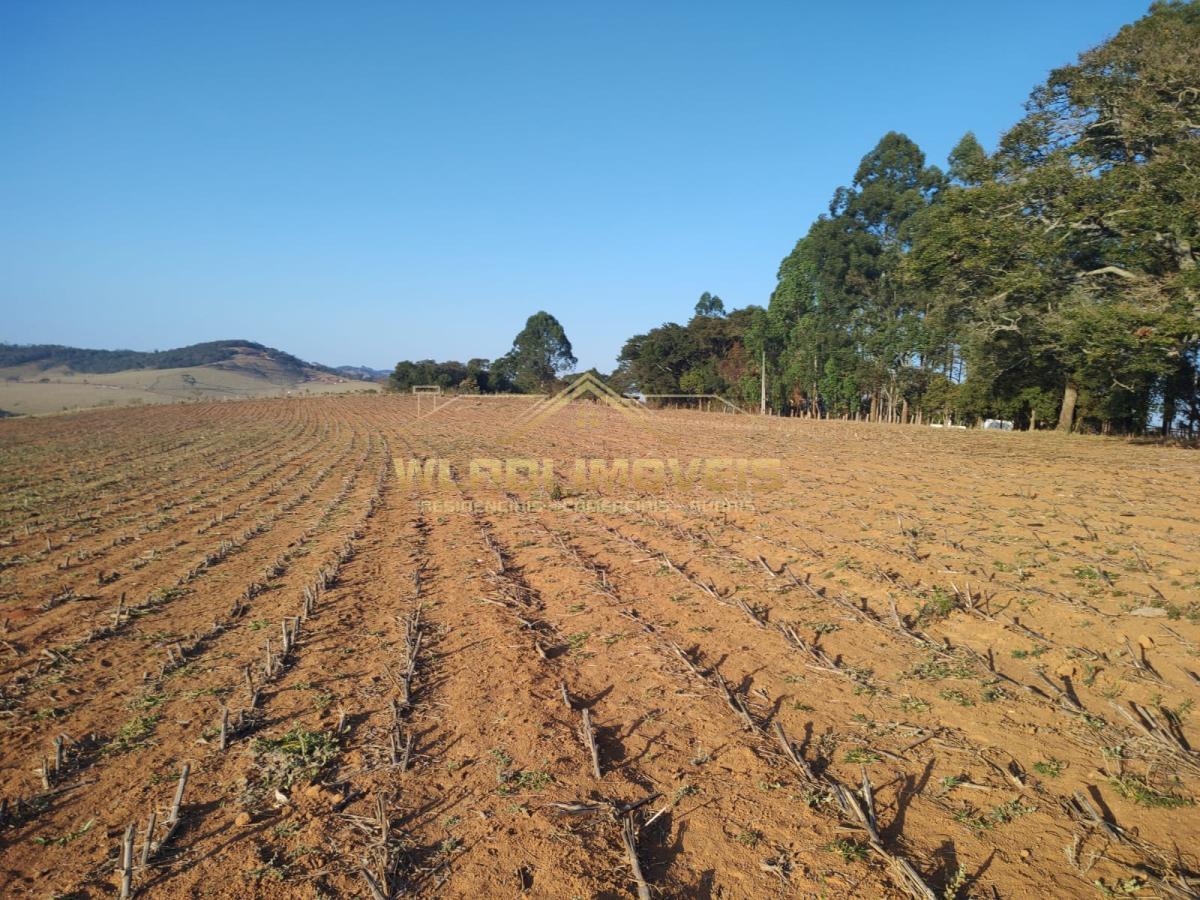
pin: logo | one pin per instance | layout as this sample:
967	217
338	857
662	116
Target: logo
588	404
587	388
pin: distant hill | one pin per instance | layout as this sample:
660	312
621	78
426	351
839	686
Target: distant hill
51	378
76	359
365	373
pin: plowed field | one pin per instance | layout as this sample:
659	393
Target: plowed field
915	663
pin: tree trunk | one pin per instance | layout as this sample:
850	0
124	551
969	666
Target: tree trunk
1066	416
762	403
1168	414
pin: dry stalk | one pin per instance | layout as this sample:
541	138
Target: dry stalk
127	862
735	702
148	841
796	759
862	807
630	841
589	741
172	822
1138	659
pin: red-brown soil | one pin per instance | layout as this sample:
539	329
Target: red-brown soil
996	637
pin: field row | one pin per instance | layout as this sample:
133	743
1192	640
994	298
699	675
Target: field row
246	652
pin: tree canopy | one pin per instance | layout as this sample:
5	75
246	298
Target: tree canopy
1052	281
540	353
710	305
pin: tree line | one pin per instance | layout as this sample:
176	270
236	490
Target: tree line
540	353
1052	282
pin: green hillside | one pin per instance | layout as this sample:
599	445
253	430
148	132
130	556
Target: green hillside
49	356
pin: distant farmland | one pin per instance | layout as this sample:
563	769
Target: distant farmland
27	390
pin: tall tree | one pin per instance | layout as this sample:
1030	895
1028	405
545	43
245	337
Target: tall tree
843	326
710	305
969	163
539	354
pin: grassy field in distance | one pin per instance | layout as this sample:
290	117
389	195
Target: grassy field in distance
59	390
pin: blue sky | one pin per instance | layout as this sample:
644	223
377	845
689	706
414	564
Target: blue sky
361	182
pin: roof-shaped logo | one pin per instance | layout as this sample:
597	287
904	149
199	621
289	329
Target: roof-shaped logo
587	387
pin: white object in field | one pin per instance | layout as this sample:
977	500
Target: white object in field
997	425
426	388
955	427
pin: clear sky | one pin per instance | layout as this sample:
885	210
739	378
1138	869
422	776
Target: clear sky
361	182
